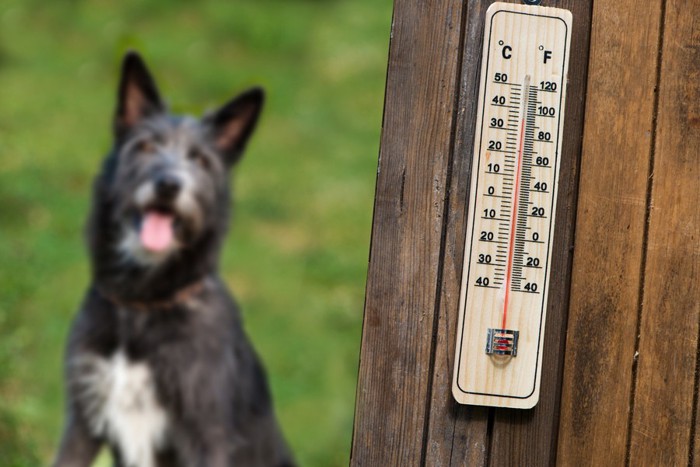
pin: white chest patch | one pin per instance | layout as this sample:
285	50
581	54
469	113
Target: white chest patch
121	405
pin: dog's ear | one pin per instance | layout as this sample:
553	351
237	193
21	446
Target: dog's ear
232	125
138	95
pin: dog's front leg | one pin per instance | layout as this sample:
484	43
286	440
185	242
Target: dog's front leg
205	453
218	457
78	447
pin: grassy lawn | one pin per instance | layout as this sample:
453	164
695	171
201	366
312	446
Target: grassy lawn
297	254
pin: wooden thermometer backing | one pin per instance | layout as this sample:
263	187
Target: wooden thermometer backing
510	223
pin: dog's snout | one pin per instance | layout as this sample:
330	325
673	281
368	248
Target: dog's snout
168	186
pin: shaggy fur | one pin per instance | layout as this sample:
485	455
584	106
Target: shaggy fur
158	365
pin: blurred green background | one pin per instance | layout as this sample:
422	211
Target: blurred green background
297	254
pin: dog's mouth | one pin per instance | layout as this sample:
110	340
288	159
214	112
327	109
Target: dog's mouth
157	230
160	229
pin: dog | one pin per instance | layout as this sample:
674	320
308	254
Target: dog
158	366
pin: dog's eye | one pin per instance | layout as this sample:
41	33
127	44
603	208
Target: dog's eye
197	156
146	146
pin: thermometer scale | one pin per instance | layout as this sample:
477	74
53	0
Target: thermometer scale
510	222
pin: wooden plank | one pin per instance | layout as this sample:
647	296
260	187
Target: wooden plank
609	233
663	404
397	339
458	434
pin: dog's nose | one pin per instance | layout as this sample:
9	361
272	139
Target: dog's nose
168	186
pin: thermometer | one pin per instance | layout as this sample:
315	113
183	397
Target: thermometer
510	222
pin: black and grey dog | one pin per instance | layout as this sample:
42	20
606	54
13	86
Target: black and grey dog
158	366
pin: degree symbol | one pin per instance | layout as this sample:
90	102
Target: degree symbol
500	42
541	47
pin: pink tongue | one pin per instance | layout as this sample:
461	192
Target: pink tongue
156	231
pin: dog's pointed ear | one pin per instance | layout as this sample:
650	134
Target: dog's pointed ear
138	95
231	126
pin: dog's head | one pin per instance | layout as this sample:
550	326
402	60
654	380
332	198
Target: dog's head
168	176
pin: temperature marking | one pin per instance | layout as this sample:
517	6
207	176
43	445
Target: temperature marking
514	214
512	204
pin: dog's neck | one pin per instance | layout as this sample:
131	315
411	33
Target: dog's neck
179	297
163	284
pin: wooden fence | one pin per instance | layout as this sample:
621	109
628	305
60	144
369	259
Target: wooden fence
621	355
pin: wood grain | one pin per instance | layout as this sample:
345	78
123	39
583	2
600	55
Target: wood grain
663	404
397	340
609	233
458	434
599	405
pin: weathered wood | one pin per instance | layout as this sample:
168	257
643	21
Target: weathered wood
457	435
609	233
663	403
598	406
397	340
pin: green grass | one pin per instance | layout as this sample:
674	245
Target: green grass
297	254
